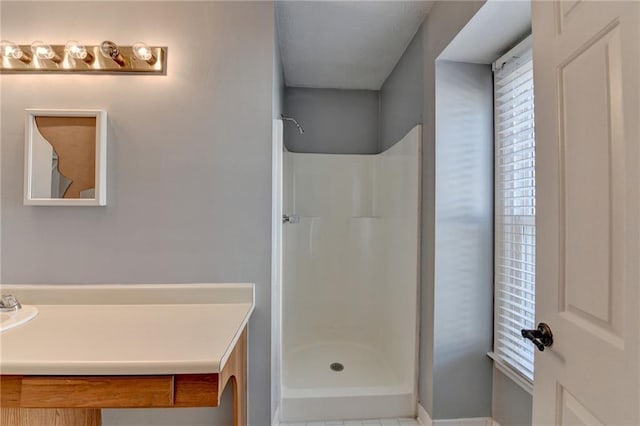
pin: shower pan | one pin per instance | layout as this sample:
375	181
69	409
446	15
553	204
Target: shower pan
350	283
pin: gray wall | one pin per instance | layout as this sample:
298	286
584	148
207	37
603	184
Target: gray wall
443	22
359	121
463	320
335	121
401	98
512	406
189	163
454	371
278	78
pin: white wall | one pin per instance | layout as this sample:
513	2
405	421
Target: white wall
276	267
276	229
328	295
189	163
397	204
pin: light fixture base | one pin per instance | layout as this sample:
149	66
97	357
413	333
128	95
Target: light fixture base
99	65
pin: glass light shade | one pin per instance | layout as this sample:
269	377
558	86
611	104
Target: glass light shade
109	49
75	50
9	49
142	51
42	51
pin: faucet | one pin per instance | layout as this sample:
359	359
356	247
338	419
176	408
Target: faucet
8	303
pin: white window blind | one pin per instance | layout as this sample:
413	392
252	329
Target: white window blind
515	210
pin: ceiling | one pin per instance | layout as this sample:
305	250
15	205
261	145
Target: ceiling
345	44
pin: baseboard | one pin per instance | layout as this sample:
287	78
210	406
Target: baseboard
473	421
425	420
423	417
275	421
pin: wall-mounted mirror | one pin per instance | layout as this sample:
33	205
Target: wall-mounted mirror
65	158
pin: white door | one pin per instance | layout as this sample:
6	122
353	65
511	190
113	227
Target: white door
586	57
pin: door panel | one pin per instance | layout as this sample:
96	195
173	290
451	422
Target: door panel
586	59
590	151
572	412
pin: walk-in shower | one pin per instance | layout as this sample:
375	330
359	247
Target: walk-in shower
349	287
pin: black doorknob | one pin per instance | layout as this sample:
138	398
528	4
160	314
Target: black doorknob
541	337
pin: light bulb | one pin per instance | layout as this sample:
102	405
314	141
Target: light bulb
76	50
143	52
110	50
44	51
11	50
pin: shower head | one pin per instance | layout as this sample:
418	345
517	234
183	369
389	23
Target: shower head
300	129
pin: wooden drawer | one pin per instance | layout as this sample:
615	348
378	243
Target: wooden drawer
189	390
96	392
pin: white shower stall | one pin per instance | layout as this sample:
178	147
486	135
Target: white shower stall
349	295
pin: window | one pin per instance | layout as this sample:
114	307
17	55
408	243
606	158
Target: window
515	210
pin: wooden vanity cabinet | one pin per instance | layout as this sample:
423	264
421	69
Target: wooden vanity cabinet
77	400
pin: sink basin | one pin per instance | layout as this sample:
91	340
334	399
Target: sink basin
21	316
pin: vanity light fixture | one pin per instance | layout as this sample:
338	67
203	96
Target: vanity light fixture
11	50
75	57
41	50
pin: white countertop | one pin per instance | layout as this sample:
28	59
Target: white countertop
126	329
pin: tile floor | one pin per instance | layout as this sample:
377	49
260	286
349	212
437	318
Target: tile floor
371	422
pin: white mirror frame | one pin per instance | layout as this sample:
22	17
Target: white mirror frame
100	163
